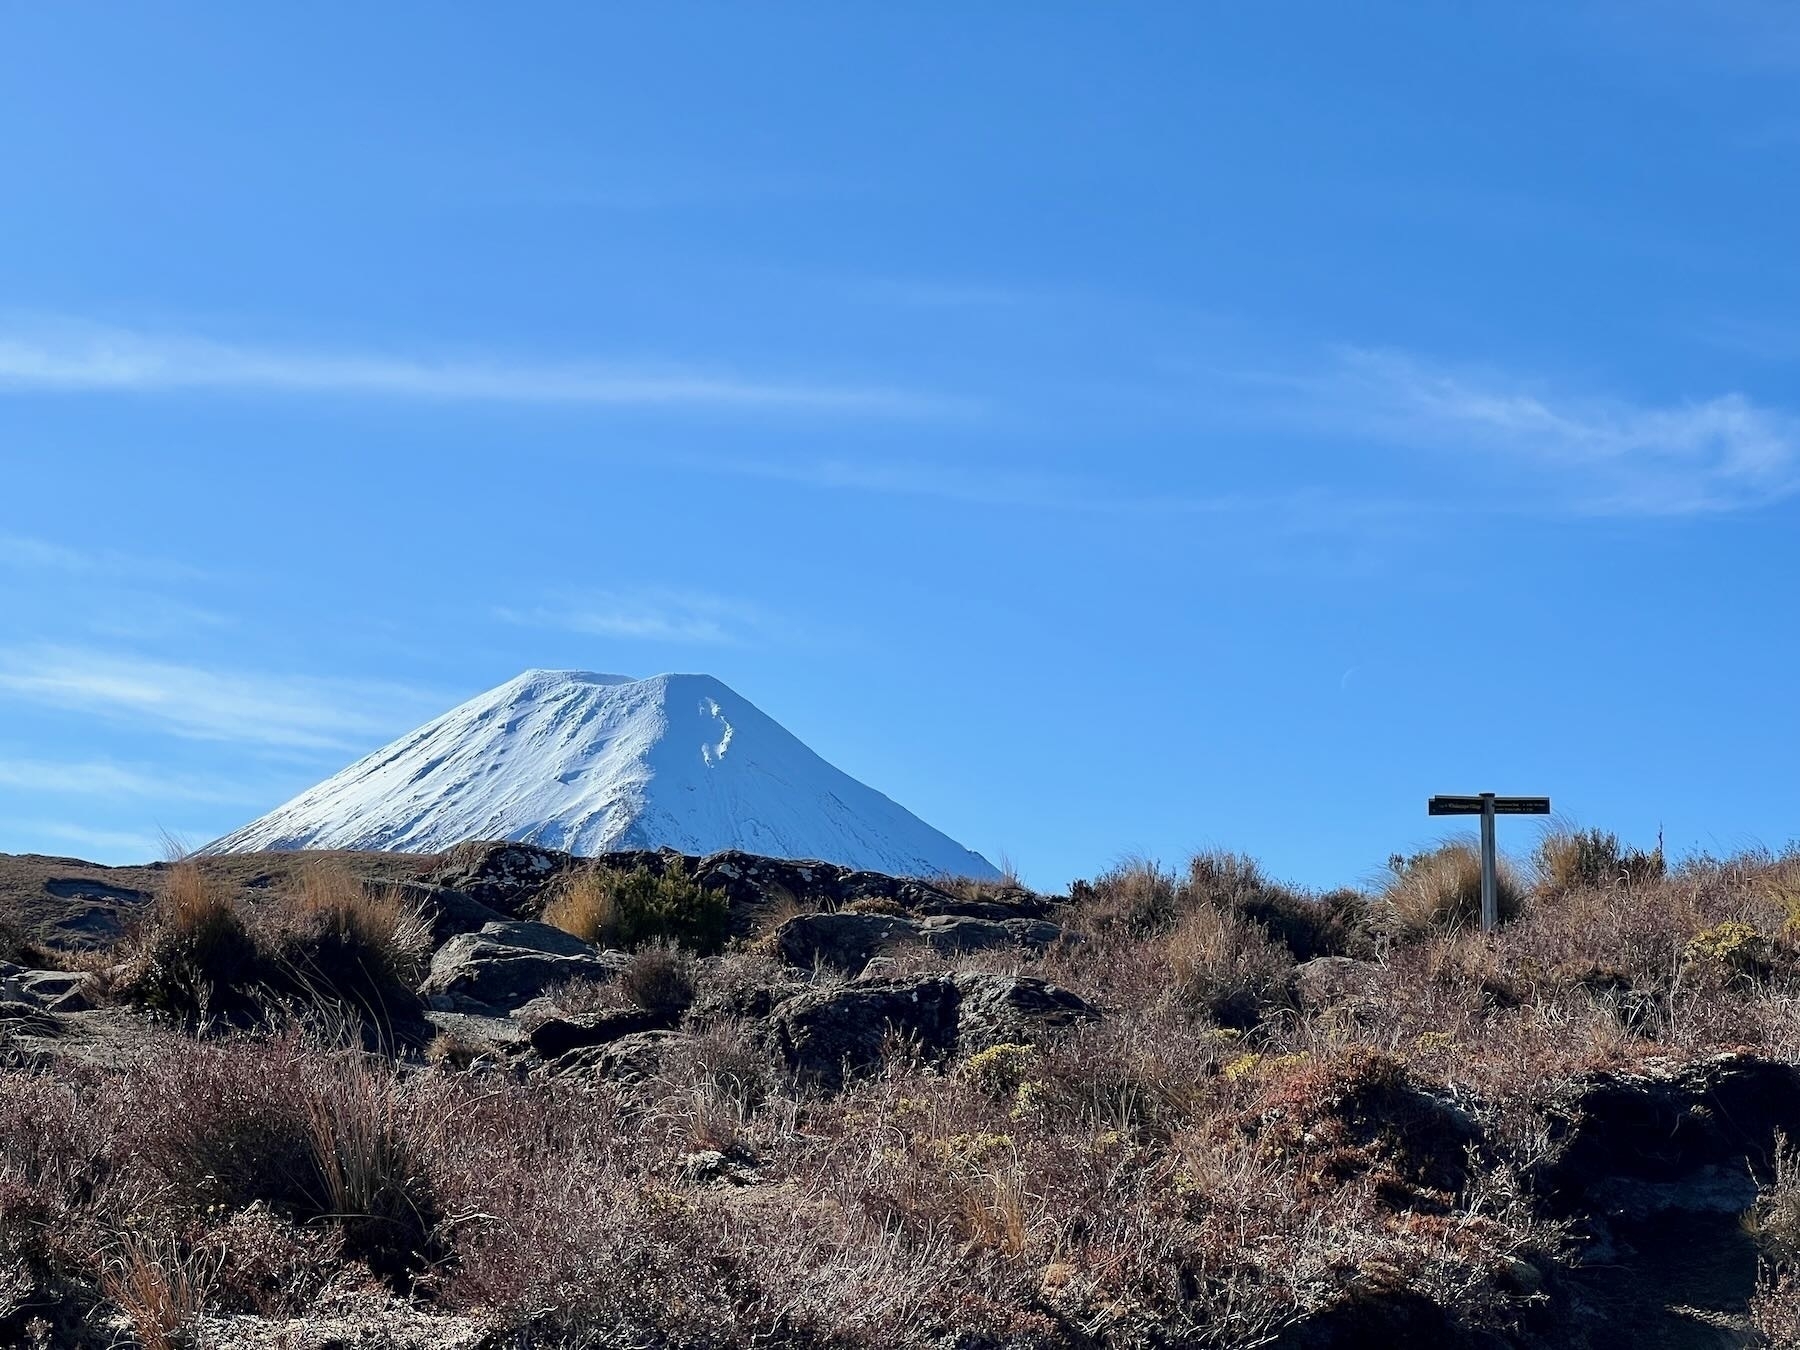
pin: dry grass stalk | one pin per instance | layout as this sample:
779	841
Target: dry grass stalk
161	1291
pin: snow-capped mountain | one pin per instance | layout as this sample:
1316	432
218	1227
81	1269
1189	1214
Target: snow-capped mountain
589	763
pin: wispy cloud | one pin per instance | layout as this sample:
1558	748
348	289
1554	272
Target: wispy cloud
292	712
80	359
23	553
654	615
104	779
1598	454
1304	510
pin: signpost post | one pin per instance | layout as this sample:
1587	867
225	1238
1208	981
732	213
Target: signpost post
1487	806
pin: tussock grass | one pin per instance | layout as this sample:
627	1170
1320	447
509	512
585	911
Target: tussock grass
1568	858
161	1290
583	906
342	941
377	922
1227	966
194	953
1441	889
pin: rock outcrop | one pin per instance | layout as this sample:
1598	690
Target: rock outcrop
503	966
829	1035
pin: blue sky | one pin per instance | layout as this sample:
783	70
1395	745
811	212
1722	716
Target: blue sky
1102	429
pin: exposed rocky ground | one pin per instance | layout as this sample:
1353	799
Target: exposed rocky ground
503	1097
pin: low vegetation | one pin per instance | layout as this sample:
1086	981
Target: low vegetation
1238	1146
627	909
329	944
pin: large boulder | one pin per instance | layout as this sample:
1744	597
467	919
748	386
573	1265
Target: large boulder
1016	1009
56	990
628	1059
828	1035
556	1036
514	879
446	911
1667	1136
504	876
503	966
962	933
845	942
849	941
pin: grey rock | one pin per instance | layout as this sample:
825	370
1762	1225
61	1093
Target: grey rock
829	1035
843	942
58	990
447	911
504	876
1014	1009
499	1036
628	1059
849	941
537	937
1332	981
556	1036
505	965
959	933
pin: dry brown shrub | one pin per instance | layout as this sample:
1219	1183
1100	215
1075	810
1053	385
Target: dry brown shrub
270	1265
660	979
1773	1223
325	1135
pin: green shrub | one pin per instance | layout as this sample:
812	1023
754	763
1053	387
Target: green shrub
1732	948
1000	1070
629	909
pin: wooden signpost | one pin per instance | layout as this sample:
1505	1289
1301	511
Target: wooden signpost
1487	806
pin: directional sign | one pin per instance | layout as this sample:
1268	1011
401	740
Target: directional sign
1487	805
1503	806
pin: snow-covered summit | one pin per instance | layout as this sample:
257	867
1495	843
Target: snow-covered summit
586	762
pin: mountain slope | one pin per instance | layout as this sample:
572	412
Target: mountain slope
588	763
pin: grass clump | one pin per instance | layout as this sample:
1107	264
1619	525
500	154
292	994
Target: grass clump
161	1290
1568	859
326	941
195	955
345	942
628	909
1441	889
660	978
1227	966
327	1137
